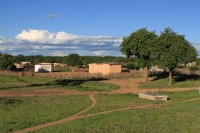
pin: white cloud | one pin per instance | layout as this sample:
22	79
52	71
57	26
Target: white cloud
43	42
1	39
102	52
197	46
58	53
116	45
44	36
36	36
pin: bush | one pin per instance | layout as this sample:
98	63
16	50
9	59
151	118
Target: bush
130	66
193	68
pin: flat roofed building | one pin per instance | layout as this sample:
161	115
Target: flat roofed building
44	67
105	68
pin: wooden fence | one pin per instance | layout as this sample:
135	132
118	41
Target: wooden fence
72	75
188	72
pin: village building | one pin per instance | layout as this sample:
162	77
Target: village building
44	67
105	68
23	66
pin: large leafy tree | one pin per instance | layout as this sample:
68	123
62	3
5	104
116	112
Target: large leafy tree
5	61
139	44
173	49
73	60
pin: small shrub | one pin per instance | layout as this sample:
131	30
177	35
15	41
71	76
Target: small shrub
130	66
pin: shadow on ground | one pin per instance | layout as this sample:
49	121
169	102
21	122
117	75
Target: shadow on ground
177	77
63	83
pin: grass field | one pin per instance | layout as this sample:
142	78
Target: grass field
28	83
84	85
14	82
178	82
173	116
21	112
107	102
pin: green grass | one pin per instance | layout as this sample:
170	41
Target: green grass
84	85
163	83
96	86
29	83
178	117
107	102
14	82
20	112
182	95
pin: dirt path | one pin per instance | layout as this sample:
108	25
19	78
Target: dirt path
132	86
126	86
79	116
70	118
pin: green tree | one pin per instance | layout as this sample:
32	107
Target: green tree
5	61
20	58
73	60
130	66
139	44
173	49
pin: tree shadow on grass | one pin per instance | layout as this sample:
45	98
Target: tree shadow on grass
184	77
72	83
63	83
177	77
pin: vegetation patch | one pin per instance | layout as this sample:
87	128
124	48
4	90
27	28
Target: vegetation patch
14	82
179	81
27	83
84	85
175	116
107	102
22	112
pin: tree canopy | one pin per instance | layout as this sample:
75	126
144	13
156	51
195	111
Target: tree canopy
167	50
5	61
73	60
173	49
139	44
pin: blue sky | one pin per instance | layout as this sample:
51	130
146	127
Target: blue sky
89	27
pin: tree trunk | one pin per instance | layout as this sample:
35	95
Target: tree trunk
146	74
170	77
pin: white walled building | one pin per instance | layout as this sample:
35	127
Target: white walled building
44	67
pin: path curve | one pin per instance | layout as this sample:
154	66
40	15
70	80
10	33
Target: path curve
78	116
70	118
126	86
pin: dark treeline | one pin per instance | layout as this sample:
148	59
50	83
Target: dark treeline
34	59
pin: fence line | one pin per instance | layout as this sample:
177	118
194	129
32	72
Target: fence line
188	72
72	75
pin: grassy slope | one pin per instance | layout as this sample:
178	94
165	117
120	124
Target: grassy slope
175	116
28	83
21	112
